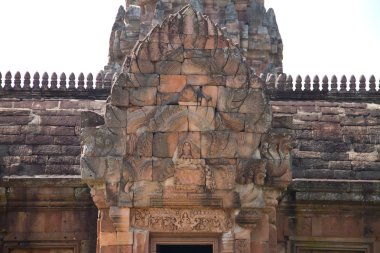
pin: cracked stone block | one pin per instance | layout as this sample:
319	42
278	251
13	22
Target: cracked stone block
171	83
165	144
201	118
143	96
138	118
169	118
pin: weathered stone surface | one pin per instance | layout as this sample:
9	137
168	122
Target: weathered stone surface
251	171
169	118
201	118
224	176
93	168
90	119
145	80
168	68
218	144
195	66
143	96
189	145
138	168
205	80
103	141
165	144
119	96
140	144
138	118
190	172
171	83
241	100
144	191
232	121
115	116
163	168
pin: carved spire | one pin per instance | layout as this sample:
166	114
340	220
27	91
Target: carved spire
72	81
362	84
298	83
307	83
352	83
8	81
45	81
90	83
26	81
343	83
325	83
36	81
17	81
81	81
289	83
54	81
316	83
62	81
334	83
372	84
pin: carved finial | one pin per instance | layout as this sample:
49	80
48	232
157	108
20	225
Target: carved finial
334	83
372	84
325	83
81	81
289	83
99	80
26	81
271	81
17	81
362	83
107	80
307	83
281	79
54	81
298	83
72	81
45	81
1	87
343	83
352	83
36	81
62	81
90	83
8	81
316	83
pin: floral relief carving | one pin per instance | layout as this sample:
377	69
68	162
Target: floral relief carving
181	220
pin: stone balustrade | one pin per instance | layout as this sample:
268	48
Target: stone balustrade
279	87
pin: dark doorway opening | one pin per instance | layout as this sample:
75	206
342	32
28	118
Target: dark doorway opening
184	248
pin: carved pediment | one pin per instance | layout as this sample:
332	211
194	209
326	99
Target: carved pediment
187	119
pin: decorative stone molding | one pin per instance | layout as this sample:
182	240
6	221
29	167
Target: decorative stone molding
181	220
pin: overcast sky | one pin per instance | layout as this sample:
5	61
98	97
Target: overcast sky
320	36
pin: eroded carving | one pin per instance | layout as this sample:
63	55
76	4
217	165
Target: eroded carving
181	220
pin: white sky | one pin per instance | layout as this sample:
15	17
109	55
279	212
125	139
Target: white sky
320	36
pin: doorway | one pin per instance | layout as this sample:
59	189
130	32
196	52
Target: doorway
177	243
184	248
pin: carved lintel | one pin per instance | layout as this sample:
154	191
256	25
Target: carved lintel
181	220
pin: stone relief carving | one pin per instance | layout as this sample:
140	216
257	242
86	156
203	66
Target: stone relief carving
181	220
241	246
187	127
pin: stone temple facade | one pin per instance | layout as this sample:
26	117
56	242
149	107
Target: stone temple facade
192	139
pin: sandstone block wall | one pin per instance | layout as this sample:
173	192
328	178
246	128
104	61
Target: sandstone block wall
332	140
41	137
